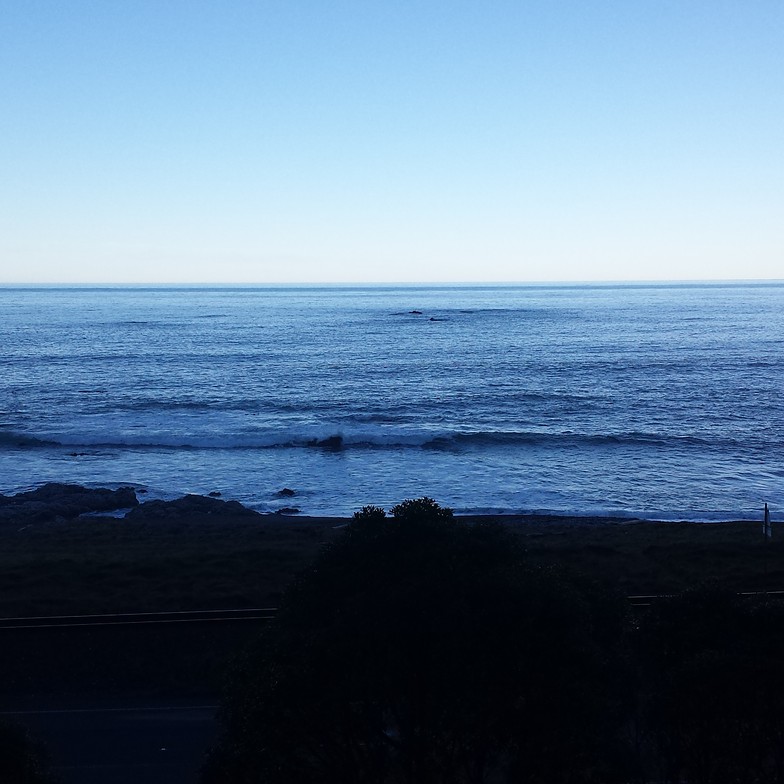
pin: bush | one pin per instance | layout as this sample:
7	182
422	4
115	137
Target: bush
20	761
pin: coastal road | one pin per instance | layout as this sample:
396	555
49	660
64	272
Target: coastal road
155	744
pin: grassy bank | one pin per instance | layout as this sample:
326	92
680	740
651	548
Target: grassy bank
106	565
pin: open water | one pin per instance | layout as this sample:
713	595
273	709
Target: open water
657	401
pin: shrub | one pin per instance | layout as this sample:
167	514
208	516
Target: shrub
21	761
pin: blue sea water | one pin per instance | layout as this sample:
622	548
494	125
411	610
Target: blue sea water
657	401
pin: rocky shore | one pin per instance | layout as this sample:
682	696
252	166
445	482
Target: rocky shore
54	502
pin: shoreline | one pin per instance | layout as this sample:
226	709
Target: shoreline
533	518
127	502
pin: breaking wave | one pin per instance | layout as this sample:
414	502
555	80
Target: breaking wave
345	439
11	439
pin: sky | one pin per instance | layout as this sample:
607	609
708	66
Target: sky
274	141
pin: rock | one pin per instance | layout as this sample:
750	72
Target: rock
286	492
54	500
186	508
415	312
214	494
288	510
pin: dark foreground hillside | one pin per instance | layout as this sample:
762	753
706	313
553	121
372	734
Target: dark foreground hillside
705	667
225	560
423	649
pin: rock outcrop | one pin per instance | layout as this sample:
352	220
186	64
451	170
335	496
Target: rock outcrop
187	508
65	501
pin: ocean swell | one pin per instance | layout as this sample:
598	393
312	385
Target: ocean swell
341	439
10	439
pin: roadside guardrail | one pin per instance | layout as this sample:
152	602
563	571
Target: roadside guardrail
226	616
136	619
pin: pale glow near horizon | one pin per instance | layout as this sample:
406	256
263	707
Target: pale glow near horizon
305	142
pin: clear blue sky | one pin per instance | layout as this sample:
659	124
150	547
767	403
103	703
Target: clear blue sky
266	141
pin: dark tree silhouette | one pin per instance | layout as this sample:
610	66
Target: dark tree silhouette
422	650
713	671
21	761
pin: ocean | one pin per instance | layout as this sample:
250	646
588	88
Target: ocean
650	401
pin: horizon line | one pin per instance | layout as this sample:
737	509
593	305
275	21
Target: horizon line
384	284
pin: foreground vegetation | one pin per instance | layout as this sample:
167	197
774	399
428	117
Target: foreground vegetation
94	565
422	647
106	565
21	761
419	649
